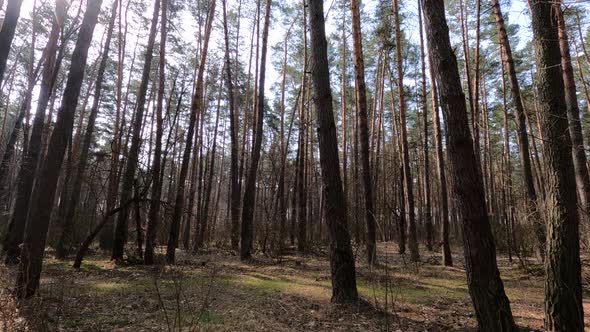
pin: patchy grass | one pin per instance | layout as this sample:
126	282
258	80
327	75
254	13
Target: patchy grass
217	292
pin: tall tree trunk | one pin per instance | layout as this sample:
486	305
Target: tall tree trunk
341	256
65	238
7	32
196	108
408	185
573	115
133	155
44	190
483	278
247	234
343	109
507	203
29	164
204	213
106	238
233	127
361	106
154	210
301	187
524	149
281	185
427	207
563	289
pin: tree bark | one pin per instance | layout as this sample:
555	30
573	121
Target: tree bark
341	257
483	278
573	115
29	164
563	289
65	238
361	106
7	32
44	190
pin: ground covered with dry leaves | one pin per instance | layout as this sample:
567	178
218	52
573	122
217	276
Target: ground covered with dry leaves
214	291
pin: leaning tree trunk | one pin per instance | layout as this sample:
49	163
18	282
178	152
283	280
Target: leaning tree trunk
196	108
341	256
7	157
483	278
247	234
44	190
133	155
72	204
361	105
7	32
26	174
563	289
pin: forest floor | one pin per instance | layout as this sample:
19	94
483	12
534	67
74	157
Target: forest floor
216	292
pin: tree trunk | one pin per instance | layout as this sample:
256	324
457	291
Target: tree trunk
361	106
301	187
573	115
28	167
427	207
233	127
7	32
44	191
154	210
133	155
204	213
65	238
408	186
563	289
483	278
196	108
524	149
247	234
341	256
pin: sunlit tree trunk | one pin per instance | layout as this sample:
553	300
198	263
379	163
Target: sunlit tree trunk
563	289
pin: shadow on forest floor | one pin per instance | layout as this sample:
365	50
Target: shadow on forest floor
217	292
